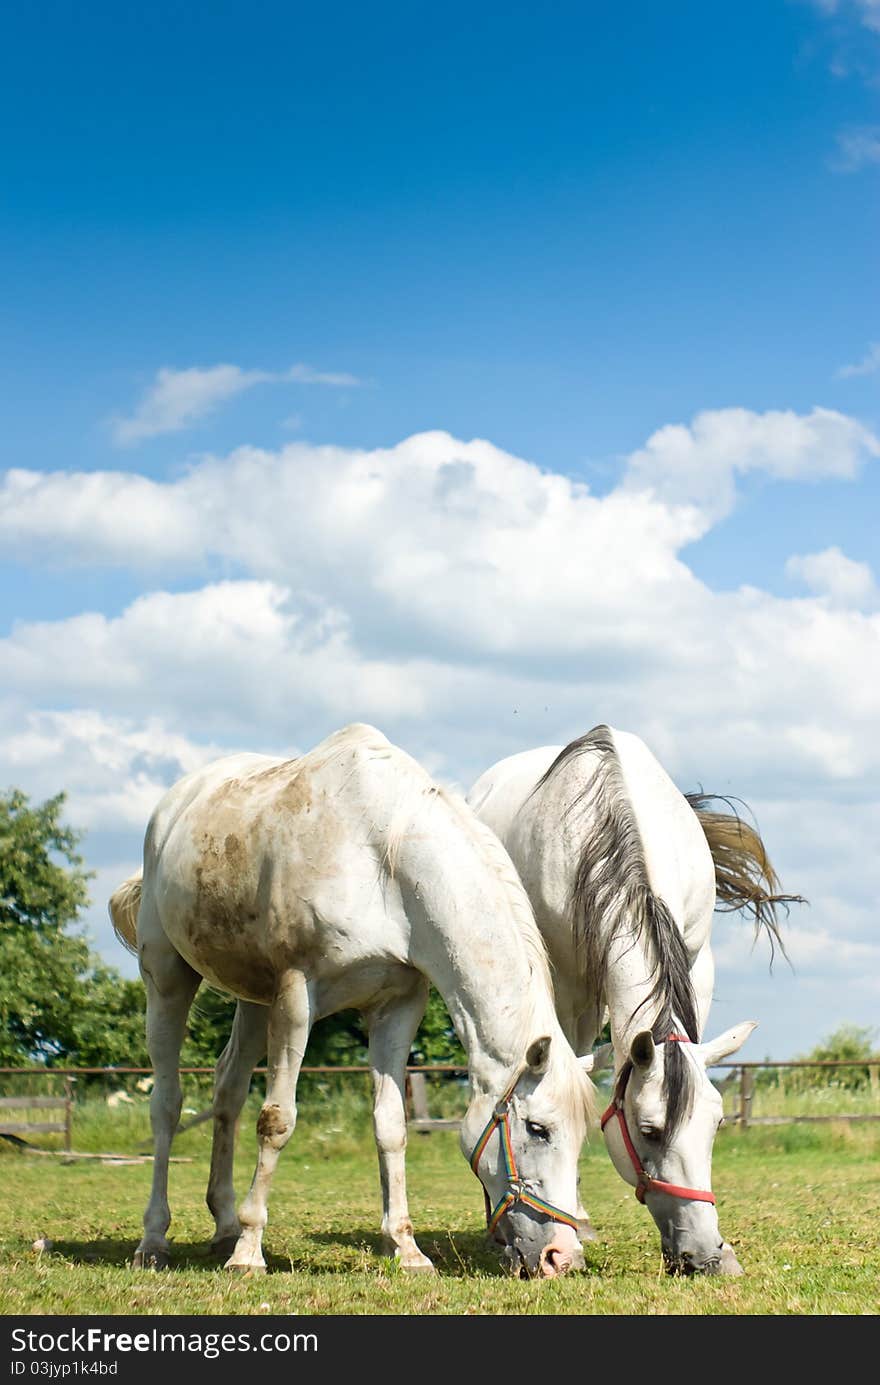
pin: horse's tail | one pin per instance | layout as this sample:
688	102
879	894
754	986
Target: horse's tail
744	874
124	904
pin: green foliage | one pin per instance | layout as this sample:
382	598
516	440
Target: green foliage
337	1040
436	1040
58	1002
849	1043
208	1026
342	1038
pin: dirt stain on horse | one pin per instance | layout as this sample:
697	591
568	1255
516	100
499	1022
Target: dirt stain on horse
270	1123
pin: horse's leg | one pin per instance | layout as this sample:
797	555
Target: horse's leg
171	984
246	1046
586	1031
289	1025
392	1030
703	981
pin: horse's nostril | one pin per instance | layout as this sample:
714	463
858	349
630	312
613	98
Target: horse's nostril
555	1262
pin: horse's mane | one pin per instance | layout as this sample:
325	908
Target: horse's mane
611	897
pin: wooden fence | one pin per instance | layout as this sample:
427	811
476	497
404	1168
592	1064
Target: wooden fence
18	1128
738	1089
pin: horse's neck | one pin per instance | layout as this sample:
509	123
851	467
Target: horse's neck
468	940
630	971
628	985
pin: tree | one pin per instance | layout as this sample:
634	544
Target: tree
58	1002
849	1043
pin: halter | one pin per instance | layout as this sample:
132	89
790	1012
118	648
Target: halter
516	1190
644	1182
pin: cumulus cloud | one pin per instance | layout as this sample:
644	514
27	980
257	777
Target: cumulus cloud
113	770
696	466
443	545
226	657
178	398
469	604
831	573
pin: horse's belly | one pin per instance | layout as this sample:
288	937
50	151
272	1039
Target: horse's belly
234	957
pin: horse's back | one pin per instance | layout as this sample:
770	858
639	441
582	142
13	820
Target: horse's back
529	811
500	793
254	863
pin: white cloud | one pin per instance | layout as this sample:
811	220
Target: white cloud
831	573
866	11
696	466
470	605
93	517
868	365
858	148
440	545
179	398
113	770
227	657
307	375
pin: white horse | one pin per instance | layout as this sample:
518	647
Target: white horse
623	872
343	879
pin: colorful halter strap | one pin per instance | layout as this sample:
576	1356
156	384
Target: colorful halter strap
645	1183
516	1190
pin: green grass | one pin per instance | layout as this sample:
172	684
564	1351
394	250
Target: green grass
801	1205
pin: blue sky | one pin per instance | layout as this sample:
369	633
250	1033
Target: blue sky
562	232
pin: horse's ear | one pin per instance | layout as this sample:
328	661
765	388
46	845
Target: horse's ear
728	1042
538	1055
641	1050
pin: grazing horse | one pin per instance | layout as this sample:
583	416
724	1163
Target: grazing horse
347	879
623	872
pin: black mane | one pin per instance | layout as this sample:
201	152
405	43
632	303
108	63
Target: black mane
611	895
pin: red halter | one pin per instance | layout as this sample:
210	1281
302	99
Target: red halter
645	1183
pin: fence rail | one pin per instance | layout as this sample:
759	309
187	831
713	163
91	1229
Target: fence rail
739	1087
19	1128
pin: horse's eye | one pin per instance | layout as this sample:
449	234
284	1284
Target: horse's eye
650	1132
540	1132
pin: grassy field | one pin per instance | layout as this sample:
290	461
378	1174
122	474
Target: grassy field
800	1204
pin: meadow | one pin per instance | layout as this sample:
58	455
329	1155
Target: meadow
799	1203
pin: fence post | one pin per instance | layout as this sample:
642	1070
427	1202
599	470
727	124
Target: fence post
746	1088
68	1113
419	1095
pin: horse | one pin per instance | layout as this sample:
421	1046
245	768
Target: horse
624	872
346	878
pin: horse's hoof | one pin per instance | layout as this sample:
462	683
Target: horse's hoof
586	1231
245	1270
150	1260
422	1266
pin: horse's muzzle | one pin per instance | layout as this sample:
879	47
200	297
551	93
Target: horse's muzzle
724	1262
552	1262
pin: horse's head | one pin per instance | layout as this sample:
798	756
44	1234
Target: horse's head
523	1144
660	1130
